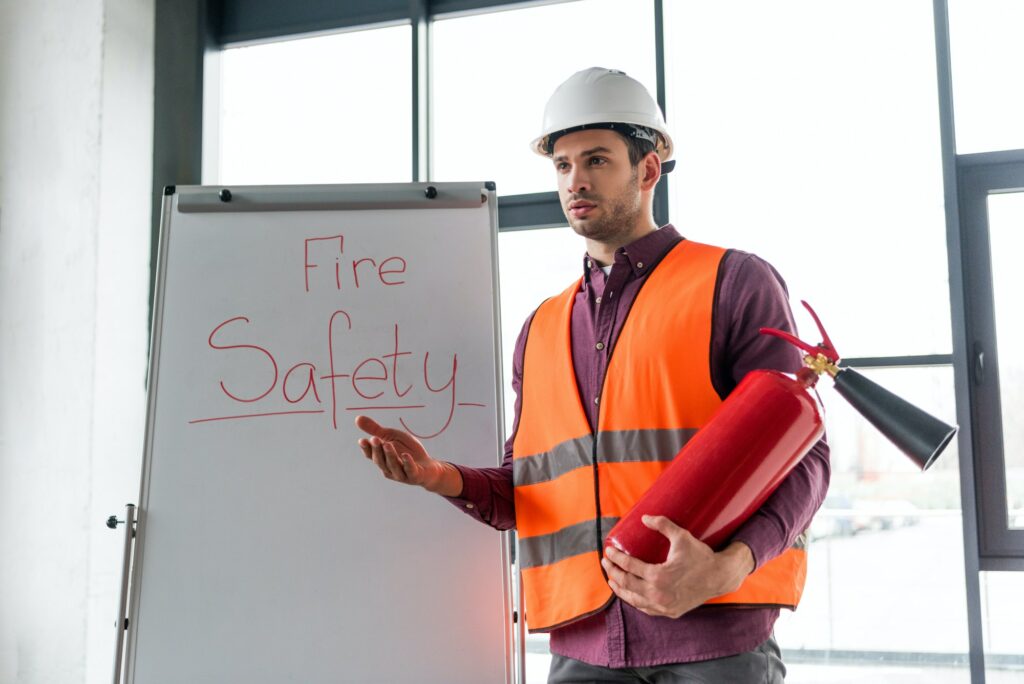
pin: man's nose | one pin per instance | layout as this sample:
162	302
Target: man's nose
578	180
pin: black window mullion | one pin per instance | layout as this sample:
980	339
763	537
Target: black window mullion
979	176
661	214
420	89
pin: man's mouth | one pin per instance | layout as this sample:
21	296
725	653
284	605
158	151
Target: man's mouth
580	208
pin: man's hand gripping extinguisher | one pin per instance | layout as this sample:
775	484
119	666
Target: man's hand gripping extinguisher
755	438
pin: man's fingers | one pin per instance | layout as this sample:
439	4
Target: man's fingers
371	427
375	429
660	523
377	456
380	459
629	596
620	576
394	464
631	565
389	451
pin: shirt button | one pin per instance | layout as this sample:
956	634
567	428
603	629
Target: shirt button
590	264
469	505
600	346
597	400
639	264
610	295
598	300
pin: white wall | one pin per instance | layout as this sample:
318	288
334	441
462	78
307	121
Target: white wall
76	93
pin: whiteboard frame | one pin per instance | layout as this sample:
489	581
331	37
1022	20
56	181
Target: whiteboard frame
196	199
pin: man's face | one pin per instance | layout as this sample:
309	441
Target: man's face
598	188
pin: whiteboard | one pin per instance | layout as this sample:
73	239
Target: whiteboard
269	549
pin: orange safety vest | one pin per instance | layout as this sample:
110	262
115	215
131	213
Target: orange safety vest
571	484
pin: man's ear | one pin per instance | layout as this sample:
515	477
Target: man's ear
650	171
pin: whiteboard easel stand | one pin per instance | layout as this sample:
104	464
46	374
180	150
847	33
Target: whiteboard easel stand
121	622
518	623
285	198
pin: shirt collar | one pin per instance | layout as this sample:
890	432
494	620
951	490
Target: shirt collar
642	254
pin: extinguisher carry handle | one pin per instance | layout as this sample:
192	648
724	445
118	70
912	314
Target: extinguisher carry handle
824	348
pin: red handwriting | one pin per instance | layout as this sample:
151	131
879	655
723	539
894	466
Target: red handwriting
273	363
374	383
324	250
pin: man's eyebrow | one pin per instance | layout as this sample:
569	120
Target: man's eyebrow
585	153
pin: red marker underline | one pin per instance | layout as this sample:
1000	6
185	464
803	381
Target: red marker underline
391	408
293	413
382	408
252	415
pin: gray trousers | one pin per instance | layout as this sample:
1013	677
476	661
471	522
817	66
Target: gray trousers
763	665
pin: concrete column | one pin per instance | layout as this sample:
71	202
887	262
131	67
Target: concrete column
76	112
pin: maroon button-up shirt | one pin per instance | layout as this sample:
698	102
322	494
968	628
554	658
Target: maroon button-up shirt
750	294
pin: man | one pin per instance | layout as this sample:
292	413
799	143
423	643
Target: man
611	377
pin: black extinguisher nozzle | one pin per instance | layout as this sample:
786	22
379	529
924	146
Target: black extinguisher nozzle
918	434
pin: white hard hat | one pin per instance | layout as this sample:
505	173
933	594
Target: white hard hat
603	98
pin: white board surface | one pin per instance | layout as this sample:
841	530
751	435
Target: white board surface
269	549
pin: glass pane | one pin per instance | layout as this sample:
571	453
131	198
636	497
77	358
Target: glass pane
1002	595
492	74
987	57
329	109
533	265
885	597
1006	241
807	132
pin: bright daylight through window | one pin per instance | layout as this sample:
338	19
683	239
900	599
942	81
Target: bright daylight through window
315	110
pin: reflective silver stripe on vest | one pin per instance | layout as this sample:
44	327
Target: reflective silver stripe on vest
548	465
574	540
621	446
545	549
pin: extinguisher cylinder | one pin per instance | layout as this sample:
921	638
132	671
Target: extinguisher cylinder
727	470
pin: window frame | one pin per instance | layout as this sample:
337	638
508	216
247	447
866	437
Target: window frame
979	176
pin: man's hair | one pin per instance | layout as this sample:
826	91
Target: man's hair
640	140
638	148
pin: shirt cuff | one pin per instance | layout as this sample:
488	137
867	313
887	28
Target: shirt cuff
475	495
764	538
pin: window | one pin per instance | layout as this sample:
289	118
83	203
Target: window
534	265
327	109
992	211
807	133
1002	594
1005	220
987	56
888	535
492	74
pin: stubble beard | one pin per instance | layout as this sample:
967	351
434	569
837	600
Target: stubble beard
618	217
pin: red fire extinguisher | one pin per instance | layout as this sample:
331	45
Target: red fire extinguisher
760	432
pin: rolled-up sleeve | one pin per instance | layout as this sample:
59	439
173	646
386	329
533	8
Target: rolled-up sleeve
753	295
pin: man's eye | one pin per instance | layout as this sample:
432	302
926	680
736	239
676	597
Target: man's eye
561	166
597	161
